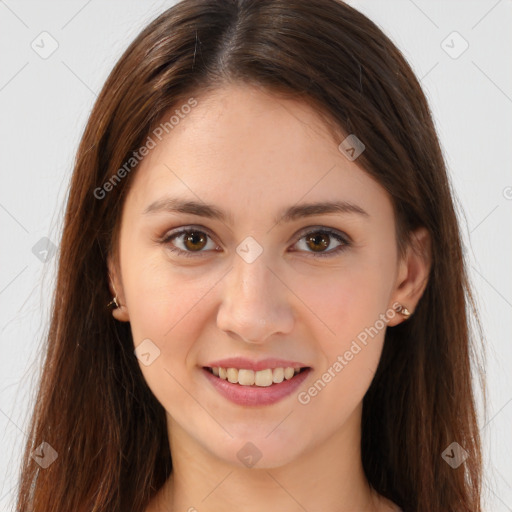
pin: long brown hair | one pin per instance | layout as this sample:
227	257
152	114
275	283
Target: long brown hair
94	407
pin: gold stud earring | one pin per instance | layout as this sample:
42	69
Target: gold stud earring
406	313
403	311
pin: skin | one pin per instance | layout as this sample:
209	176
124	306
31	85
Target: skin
253	154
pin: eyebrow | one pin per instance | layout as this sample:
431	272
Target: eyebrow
201	209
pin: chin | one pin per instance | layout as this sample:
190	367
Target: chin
257	450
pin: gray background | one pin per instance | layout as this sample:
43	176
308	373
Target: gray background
45	102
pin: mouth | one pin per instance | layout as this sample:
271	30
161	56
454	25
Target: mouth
262	378
261	387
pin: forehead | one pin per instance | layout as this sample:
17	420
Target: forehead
244	147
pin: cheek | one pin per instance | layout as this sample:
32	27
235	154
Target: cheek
351	304
168	308
162	299
345	301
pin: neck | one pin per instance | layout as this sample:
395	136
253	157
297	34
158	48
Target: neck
329	477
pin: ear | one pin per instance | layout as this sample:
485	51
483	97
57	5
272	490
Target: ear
116	289
413	273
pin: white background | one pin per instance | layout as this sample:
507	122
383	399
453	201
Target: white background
44	104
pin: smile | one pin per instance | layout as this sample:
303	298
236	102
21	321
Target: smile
261	378
255	387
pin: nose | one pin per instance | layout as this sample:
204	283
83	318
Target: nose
255	302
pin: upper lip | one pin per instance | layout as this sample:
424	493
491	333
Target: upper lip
248	364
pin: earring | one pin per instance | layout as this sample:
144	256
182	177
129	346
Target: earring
113	303
403	311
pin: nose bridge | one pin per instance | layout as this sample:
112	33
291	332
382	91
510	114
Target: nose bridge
254	301
252	276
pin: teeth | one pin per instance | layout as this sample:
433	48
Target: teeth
288	373
278	375
262	378
232	375
246	377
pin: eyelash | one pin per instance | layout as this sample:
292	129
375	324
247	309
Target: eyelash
192	229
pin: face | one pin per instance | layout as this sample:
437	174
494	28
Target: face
252	280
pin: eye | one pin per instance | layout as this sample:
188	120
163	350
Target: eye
188	241
320	239
191	242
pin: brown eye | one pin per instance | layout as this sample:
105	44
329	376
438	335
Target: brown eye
318	242
194	240
186	242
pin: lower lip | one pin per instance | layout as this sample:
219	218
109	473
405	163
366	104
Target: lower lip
256	395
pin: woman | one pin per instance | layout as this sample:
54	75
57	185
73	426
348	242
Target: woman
261	298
